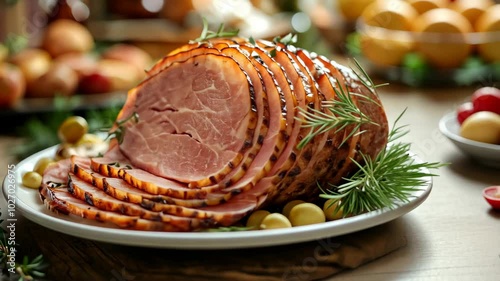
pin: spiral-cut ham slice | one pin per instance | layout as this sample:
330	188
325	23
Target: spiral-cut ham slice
55	194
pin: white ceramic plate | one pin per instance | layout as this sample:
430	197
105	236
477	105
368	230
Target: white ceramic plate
484	153
29	204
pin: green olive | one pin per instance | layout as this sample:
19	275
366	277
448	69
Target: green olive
275	220
255	219
306	213
329	208
288	207
72	129
32	180
42	164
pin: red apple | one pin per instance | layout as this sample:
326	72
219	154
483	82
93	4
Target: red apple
486	99
12	84
464	111
94	83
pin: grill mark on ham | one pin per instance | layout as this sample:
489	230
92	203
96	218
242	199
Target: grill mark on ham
313	101
234	208
322	158
299	87
58	199
121	190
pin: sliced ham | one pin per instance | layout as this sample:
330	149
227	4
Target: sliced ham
219	123
55	194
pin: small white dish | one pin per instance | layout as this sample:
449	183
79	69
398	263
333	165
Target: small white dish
483	153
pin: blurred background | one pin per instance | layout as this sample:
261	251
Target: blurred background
63	57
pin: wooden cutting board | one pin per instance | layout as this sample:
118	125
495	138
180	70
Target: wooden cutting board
72	258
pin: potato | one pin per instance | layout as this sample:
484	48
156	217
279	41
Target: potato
60	79
81	63
67	36
33	63
122	75
131	54
482	126
12	84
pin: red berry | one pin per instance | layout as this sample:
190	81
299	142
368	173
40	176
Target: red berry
486	99
464	111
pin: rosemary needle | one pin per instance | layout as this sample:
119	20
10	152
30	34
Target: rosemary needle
343	112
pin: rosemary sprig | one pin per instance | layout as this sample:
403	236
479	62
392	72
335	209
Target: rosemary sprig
344	112
364	77
392	176
119	131
286	40
208	34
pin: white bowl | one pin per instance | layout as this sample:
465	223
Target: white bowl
484	153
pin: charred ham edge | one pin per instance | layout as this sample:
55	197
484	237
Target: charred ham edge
328	152
194	123
58	199
121	190
181	219
223	214
314	99
298	88
98	198
115	165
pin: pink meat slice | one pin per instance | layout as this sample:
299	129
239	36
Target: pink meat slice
190	129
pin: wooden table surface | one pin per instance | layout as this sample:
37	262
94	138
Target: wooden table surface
453	235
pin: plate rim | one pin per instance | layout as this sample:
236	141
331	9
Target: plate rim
201	240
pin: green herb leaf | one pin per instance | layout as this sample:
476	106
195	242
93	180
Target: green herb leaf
119	131
208	34
287	40
252	40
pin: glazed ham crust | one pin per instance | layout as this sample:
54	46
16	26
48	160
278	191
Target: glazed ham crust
217	138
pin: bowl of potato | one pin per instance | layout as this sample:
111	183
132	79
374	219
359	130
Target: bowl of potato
474	127
422	42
